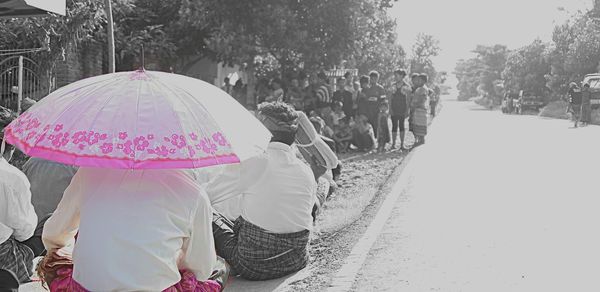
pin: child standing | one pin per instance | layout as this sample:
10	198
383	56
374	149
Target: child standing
383	130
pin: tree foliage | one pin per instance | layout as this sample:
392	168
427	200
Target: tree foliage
526	69
426	47
481	75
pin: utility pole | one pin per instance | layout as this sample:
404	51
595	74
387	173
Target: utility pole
111	37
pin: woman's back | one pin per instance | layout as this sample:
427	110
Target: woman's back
134	225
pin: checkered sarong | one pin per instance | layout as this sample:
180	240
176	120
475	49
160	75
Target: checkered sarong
17	258
262	255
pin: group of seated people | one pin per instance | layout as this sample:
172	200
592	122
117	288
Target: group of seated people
162	229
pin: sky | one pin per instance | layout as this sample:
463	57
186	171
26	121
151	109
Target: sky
460	25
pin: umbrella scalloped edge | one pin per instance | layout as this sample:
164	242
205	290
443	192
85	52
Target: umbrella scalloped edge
114	162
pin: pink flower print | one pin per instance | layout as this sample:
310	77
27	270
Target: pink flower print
106	148
65	139
58	128
150	137
30	135
120	146
51	137
172	150
34	123
103	137
79	137
208	147
191	151
220	139
122	135
128	148
167	139
93	138
81	147
178	141
141	143
40	138
193	136
46	128
162	151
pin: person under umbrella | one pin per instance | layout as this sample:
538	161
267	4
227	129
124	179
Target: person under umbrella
133	217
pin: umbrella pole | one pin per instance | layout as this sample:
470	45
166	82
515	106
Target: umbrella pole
20	92
111	37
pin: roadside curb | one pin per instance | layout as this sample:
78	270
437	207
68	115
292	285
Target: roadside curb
345	277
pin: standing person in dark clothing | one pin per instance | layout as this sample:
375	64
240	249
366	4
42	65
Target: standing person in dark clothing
399	105
586	106
362	100
345	97
574	103
375	93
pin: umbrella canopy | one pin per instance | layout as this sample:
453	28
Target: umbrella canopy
140	119
25	8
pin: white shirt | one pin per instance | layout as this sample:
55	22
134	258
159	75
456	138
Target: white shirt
137	228
275	191
17	216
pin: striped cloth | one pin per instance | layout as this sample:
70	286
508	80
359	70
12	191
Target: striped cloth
17	258
418	122
324	95
256	254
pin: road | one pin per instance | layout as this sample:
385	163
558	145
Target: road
493	202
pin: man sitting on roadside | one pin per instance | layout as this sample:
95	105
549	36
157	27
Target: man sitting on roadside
275	197
20	241
49	180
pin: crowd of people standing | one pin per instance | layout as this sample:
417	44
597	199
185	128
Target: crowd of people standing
359	113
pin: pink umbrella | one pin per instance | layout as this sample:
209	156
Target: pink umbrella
136	120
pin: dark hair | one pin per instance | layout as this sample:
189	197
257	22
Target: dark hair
364	79
341	80
400	72
347	75
276	80
338	103
278	110
424	77
374	74
287	138
321	75
226	79
414	75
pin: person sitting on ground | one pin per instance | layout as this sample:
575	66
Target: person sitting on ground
276	193
20	241
337	114
383	135
132	230
362	134
49	180
319	125
343	136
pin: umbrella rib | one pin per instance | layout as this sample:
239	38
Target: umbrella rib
183	101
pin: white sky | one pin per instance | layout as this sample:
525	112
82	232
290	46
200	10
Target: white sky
460	25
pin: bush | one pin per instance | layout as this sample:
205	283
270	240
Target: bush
556	110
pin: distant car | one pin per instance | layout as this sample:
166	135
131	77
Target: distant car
594	81
529	102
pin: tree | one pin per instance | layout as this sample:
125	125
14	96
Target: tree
526	69
468	73
426	47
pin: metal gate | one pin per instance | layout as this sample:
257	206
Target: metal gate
21	69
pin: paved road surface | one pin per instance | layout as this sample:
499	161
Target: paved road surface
494	203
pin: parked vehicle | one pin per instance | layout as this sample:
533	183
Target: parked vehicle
594	81
529	102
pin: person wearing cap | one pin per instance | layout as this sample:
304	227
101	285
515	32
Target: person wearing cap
375	93
19	241
586	106
271	198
